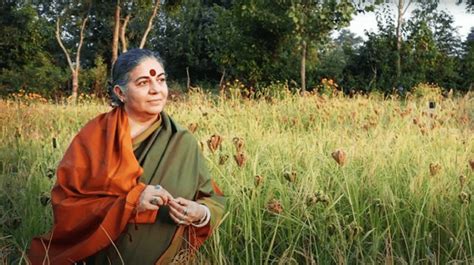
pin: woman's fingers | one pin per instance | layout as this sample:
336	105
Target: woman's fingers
179	220
161	192
147	205
155	200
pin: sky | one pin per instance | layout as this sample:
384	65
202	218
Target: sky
462	19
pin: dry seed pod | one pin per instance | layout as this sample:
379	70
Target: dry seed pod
462	181
240	159
340	156
471	163
275	206
192	127
55	143
416	121
223	159
290	175
239	144
50	173
45	199
465	197
313	199
258	180
214	142
434	168
201	144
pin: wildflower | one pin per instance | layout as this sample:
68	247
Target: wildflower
434	168
274	206
240	159
214	142
192	127
340	156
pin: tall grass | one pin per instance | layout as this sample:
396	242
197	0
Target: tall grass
395	199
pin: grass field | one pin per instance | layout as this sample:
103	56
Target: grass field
321	180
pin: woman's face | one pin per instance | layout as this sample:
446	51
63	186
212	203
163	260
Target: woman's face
147	91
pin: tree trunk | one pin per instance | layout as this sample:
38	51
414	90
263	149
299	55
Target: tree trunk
401	12
303	67
150	24
115	38
188	81
399	41
75	84
123	29
74	70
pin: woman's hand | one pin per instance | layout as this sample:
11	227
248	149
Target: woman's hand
186	212
152	197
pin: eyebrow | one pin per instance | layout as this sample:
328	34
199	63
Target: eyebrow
145	76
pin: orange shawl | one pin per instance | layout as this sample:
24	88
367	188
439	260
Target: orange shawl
95	193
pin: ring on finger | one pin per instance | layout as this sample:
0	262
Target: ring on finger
154	201
185	212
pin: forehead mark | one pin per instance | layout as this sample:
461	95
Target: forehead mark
152	72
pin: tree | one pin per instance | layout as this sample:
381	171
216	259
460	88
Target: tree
312	23
27	51
120	28
76	65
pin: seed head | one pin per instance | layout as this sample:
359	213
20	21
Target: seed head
462	181
465	197
434	168
192	127
274	206
239	144
240	159
290	175
258	180
223	159
340	156
214	142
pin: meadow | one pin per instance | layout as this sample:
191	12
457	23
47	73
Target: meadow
309	179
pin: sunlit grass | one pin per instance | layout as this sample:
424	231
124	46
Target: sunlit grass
397	197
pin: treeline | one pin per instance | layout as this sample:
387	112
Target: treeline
207	43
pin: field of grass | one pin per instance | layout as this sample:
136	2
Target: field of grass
319	180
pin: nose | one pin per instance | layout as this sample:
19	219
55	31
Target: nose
155	87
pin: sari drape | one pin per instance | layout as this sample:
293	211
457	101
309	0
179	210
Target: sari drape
98	185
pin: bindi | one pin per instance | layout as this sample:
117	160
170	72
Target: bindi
152	72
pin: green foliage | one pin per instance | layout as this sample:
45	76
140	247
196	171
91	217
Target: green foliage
397	198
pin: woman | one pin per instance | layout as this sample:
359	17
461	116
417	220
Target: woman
133	187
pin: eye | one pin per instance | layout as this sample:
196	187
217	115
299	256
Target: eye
161	79
142	82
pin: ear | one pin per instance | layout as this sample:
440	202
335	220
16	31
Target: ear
119	93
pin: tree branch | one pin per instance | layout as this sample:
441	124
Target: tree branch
150	24
81	40
58	38
123	29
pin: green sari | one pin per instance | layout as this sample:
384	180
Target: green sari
171	157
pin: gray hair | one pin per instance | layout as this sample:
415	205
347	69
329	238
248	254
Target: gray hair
121	69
